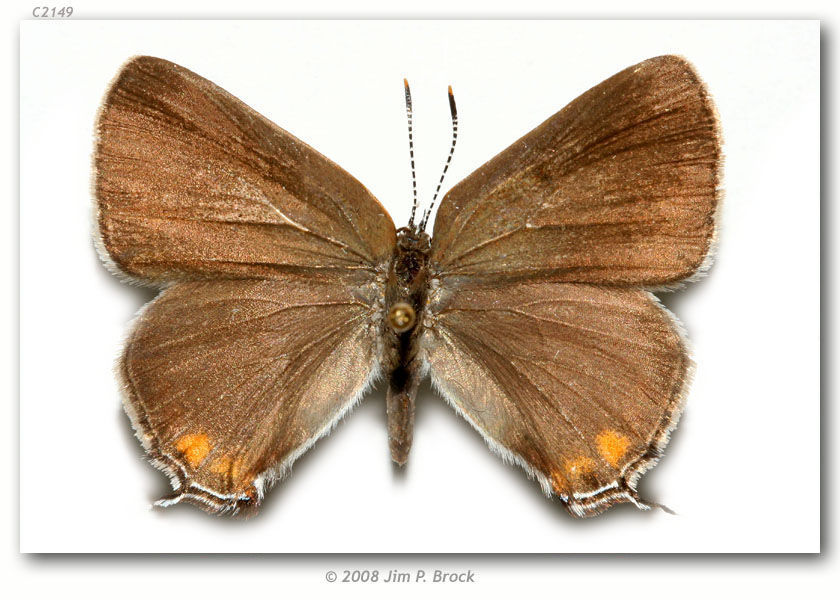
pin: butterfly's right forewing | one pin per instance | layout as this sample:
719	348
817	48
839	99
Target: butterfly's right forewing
192	183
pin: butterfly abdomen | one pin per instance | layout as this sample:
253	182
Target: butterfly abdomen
405	299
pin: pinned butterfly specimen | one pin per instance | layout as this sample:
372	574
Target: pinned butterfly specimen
287	291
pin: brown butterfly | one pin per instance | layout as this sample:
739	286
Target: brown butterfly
287	291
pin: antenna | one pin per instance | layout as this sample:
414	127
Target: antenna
454	112
408	114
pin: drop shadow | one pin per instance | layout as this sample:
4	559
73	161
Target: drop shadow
141	294
275	495
518	477
827	295
674	300
373	402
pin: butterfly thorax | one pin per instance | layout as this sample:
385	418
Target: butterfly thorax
411	255
405	299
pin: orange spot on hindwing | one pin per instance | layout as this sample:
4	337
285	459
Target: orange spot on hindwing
225	465
236	469
612	446
579	467
221	466
195	447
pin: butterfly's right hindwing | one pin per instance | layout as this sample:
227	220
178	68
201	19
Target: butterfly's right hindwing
578	384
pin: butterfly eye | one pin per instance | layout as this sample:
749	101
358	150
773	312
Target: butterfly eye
401	317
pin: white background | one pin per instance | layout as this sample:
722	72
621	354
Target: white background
743	468
686	576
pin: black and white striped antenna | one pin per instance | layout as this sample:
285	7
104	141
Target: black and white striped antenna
453	110
409	115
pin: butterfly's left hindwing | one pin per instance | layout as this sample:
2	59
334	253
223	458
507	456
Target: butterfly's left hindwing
578	384
228	382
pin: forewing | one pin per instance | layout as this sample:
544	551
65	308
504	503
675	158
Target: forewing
619	187
578	384
191	183
228	382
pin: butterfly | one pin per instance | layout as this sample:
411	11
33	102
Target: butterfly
287	291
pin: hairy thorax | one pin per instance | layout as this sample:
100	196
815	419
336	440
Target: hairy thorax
405	298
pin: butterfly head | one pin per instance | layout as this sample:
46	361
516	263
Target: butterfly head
413	239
